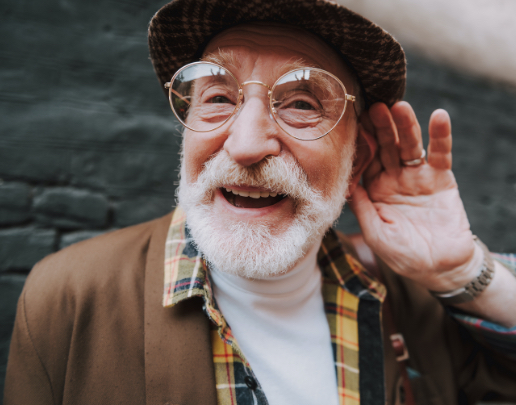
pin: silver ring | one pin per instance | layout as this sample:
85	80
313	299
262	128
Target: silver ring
415	162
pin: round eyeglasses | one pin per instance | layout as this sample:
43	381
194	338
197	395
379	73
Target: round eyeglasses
306	103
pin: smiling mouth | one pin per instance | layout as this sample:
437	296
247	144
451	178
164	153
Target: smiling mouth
251	199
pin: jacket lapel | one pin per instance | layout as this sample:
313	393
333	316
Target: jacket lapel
178	357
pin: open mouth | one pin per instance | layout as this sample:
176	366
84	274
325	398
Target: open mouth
251	199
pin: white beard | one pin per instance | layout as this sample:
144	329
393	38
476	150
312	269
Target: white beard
254	250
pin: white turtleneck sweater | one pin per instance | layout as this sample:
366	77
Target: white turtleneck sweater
281	327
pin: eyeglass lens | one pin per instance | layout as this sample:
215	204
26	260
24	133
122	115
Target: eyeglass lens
306	103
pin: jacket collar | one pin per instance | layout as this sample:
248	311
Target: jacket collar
178	358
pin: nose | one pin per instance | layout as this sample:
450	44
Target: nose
253	135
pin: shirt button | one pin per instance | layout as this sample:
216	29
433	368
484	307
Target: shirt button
250	382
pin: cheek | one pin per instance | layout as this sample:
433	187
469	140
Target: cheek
197	149
321	165
322	160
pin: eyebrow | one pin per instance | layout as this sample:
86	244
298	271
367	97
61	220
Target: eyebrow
295	65
223	58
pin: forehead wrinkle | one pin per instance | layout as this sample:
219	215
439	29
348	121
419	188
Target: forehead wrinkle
228	47
274	35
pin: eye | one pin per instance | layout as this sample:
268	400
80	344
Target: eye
297	99
301	105
219	100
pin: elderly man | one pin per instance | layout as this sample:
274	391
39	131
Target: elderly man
244	295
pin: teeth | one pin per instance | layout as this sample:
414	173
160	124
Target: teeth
252	194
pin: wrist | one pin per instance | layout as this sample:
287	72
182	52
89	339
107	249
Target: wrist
470	281
459	276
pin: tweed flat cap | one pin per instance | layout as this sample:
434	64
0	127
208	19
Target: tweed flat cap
179	31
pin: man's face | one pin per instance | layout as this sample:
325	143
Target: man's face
251	154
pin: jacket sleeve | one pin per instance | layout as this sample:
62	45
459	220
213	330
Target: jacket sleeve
496	337
79	329
27	380
40	343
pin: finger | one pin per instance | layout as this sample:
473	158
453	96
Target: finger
440	145
409	131
364	211
386	134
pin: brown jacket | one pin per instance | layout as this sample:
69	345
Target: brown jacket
90	329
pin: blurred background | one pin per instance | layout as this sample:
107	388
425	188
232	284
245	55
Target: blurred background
88	142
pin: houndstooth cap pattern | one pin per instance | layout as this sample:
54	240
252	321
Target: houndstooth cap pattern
179	31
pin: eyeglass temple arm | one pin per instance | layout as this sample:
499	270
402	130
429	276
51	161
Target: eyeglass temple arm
168	85
353	99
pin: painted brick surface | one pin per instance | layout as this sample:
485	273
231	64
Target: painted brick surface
21	248
15	203
10	288
141	209
64	207
74	237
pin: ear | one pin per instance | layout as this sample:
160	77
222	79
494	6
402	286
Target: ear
366	147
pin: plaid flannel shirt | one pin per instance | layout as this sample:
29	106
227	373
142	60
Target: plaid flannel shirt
352	302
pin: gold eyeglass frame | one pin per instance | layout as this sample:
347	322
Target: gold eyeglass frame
272	110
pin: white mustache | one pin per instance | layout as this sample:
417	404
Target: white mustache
278	174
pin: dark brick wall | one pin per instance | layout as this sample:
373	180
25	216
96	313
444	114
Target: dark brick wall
88	142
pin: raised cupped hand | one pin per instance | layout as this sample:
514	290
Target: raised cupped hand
412	216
